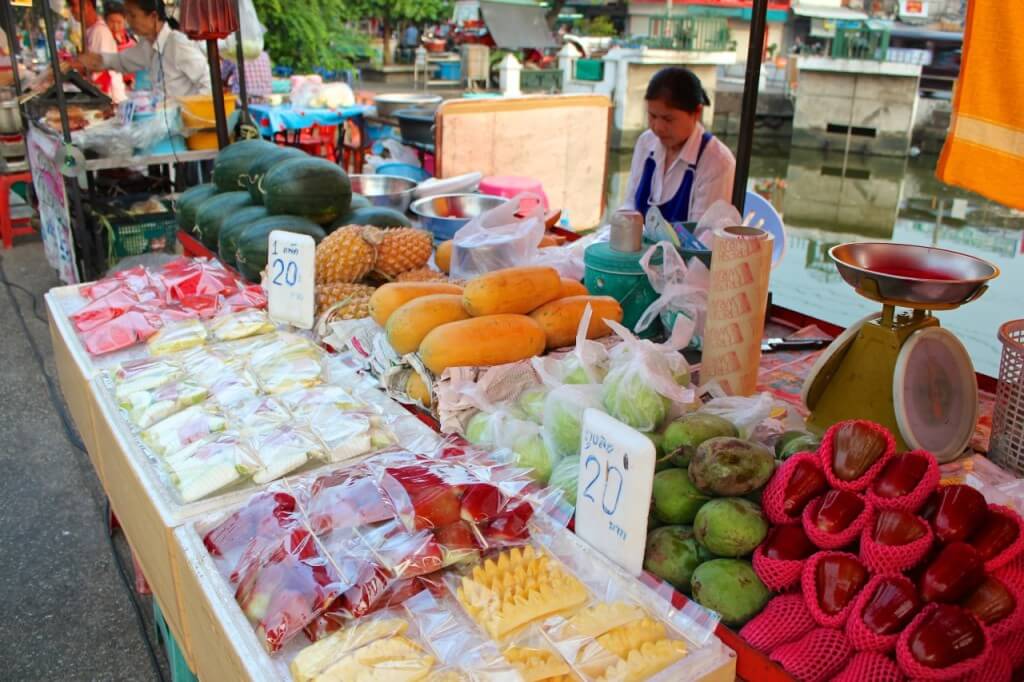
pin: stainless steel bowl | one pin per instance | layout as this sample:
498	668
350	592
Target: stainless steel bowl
905	273
444	214
387	105
392	191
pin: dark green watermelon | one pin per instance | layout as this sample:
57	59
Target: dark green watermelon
232	166
215	210
189	201
231	229
312	188
359	201
251	254
378	216
265	163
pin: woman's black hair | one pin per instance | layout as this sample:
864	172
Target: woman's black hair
678	87
150	6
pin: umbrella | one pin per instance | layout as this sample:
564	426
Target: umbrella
748	110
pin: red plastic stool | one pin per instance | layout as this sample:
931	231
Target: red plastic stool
12	227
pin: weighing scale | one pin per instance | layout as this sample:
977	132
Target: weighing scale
899	368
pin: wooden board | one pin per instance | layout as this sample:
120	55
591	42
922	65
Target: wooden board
560	140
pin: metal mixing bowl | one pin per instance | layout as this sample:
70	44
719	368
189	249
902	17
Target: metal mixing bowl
392	191
387	105
444	214
921	275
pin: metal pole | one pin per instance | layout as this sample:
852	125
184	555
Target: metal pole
758	20
240	59
218	93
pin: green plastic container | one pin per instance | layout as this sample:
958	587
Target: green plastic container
589	69
179	668
619	275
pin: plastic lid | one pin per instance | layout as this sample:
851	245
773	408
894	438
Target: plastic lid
935	393
602	256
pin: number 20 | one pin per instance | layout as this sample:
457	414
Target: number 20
290	272
608	509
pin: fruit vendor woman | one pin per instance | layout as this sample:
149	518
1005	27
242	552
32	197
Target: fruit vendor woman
677	165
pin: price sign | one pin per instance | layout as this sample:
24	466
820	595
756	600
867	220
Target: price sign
613	495
290	269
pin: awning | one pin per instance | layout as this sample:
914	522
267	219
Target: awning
814	11
517	26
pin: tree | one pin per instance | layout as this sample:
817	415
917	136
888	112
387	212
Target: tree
392	13
553	12
305	34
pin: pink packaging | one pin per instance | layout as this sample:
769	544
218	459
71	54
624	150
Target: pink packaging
1013	646
836	540
816	656
777	574
808	586
860	484
893	558
860	635
775	492
784	619
910	666
1013	580
1015	548
870	666
919	495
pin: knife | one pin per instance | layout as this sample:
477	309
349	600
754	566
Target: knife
769	345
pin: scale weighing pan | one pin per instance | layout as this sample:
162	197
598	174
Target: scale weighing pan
912	276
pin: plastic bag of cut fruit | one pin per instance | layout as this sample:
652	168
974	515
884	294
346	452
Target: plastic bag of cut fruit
145	374
184	428
109	307
134	279
146	408
280	451
184	277
240	325
264	519
207	465
252	296
177	337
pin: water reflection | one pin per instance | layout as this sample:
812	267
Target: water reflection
826	199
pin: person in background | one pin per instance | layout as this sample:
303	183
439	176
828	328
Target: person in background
99	38
259	80
677	165
118	24
411	38
176	65
113	13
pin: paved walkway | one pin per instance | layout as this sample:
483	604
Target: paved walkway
67	613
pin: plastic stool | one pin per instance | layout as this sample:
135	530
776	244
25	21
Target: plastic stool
12	227
509	186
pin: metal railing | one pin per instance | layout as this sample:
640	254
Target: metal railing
862	42
699	34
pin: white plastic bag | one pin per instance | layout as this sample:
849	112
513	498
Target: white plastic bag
683	289
498	239
648	382
252	33
746	413
586	363
719	214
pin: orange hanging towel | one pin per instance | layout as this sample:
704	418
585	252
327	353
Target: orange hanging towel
984	151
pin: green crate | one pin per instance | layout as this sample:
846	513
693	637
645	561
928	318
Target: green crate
180	671
540	80
132	235
589	70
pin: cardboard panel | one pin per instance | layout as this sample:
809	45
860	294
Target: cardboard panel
560	140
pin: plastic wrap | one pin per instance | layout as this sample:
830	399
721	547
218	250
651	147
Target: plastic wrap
504	237
279	451
144	374
184	428
177	337
682	288
563	417
208	465
120	141
146	408
240	325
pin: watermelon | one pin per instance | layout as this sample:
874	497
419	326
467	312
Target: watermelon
359	201
251	254
378	216
231	168
231	229
312	188
212	212
189	201
265	163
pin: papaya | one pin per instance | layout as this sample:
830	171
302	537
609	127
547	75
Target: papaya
389	297
413	320
571	287
416	388
443	256
512	290
561	318
482	342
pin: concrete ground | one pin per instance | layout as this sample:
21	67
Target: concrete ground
68	615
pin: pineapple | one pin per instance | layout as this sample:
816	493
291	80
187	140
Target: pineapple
347	254
356	299
403	249
422	275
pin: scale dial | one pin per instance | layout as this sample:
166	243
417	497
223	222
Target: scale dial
935	393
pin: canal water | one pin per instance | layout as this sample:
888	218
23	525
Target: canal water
826	200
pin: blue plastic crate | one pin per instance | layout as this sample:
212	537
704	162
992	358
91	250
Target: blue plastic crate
449	71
